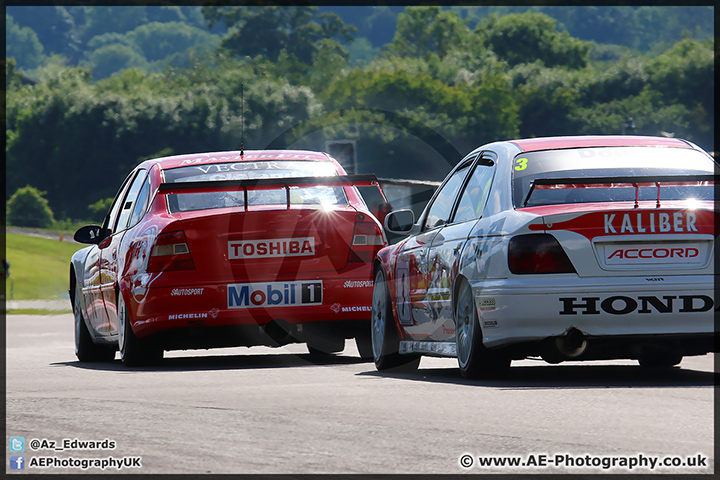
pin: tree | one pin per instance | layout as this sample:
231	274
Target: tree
268	31
22	44
424	31
53	26
161	40
114	58
529	37
28	208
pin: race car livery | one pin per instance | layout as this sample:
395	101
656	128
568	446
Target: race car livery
227	249
566	248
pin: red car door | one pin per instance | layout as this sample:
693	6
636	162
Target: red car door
111	254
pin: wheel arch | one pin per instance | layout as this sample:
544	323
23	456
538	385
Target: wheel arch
455	290
380	266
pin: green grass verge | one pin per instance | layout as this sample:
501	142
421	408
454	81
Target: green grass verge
36	311
39	267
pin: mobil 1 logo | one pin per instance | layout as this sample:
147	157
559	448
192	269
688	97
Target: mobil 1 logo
275	294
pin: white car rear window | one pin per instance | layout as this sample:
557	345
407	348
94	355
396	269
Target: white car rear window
608	162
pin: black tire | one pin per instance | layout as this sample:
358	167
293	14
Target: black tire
326	346
474	359
363	341
660	360
384	336
86	350
133	351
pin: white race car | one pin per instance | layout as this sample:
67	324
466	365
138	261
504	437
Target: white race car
567	248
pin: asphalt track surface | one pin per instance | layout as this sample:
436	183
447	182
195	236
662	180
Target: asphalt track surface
282	411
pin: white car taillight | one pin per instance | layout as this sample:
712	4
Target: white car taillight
537	253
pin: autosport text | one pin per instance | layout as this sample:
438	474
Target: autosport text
37	444
622	305
603	462
358	283
651	222
280	247
274	294
85	463
186	291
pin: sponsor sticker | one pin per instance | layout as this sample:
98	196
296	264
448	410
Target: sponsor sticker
186	291
187	316
359	308
644	222
653	254
358	283
642	304
268	248
275	294
486	303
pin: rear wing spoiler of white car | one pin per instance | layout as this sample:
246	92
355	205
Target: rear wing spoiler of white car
622	182
365	180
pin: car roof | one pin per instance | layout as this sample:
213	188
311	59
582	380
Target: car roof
235	156
555	143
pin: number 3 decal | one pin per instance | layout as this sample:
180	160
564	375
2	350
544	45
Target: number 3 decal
521	164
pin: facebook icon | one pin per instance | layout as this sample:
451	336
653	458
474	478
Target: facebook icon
17	462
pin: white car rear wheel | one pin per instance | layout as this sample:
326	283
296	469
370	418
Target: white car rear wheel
474	359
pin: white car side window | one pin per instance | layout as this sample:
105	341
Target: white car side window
472	201
440	211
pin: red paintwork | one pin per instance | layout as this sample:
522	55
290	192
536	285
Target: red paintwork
176	299
554	143
592	218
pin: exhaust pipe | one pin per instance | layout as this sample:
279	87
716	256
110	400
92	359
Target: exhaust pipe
280	333
572	344
567	346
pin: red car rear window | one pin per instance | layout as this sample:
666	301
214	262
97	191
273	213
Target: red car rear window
320	195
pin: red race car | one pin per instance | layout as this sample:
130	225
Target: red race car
227	249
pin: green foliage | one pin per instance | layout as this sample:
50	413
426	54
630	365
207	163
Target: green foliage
530	37
150	85
28	208
161	40
99	209
269	31
22	44
683	73
114	58
427	31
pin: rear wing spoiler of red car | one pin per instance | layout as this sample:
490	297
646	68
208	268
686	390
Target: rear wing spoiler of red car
622	182
366	180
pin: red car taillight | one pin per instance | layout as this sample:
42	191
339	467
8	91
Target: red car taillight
170	252
368	239
537	253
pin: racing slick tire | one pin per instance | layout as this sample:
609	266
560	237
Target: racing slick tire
85	349
363	341
326	346
474	359
660	360
384	337
134	352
